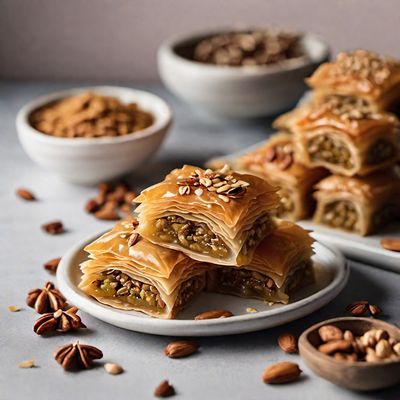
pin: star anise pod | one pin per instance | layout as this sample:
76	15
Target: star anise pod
61	321
76	356
46	299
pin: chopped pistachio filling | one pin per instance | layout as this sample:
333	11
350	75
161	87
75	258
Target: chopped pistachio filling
115	284
195	236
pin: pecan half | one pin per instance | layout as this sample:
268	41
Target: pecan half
213	314
76	356
358	307
180	348
61	321
288	343
282	372
46	299
25	194
52	265
374	309
164	389
53	228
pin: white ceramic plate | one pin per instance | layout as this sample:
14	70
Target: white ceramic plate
331	276
366	249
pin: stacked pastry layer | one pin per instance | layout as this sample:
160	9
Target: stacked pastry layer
347	130
198	230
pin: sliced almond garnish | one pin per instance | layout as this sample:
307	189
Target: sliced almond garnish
27	364
13	308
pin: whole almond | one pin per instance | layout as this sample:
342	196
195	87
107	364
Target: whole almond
348	335
383	349
164	389
212	314
113	369
374	309
282	372
180	348
391	244
288	343
335	345
25	194
330	332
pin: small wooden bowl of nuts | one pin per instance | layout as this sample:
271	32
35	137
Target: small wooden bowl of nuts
353	352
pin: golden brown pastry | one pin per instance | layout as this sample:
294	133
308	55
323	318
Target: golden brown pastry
217	217
140	275
359	205
343	135
275	161
367	75
281	263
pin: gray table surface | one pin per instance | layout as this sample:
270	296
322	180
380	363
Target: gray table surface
226	368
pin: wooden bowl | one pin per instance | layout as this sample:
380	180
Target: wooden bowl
356	375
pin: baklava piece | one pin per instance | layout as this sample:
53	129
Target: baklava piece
212	216
127	272
275	162
343	135
369	76
358	204
281	264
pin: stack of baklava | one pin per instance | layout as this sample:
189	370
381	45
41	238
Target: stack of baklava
345	130
198	230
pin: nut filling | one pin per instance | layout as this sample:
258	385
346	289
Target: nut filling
116	284
380	151
287	204
331	150
341	214
195	236
254	285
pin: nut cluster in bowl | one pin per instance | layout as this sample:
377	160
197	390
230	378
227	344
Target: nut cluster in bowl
249	48
89	115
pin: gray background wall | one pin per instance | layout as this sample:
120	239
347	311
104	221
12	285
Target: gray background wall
118	39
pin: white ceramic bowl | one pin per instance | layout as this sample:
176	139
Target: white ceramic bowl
239	92
91	160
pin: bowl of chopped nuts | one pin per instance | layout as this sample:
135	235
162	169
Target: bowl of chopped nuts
353	352
93	134
241	74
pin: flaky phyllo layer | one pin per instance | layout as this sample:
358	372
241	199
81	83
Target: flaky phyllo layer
281	264
218	217
130	273
127	272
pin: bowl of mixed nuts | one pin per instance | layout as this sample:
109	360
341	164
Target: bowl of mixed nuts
93	134
353	352
241	74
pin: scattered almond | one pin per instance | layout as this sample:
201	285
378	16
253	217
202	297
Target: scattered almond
164	389
25	194
13	308
107	214
330	332
288	343
282	372
358	307
334	346
213	314
113	369
374	309
391	244
91	206
53	228
52	265
27	364
180	348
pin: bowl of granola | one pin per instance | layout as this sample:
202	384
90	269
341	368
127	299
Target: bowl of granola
241	74
93	134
